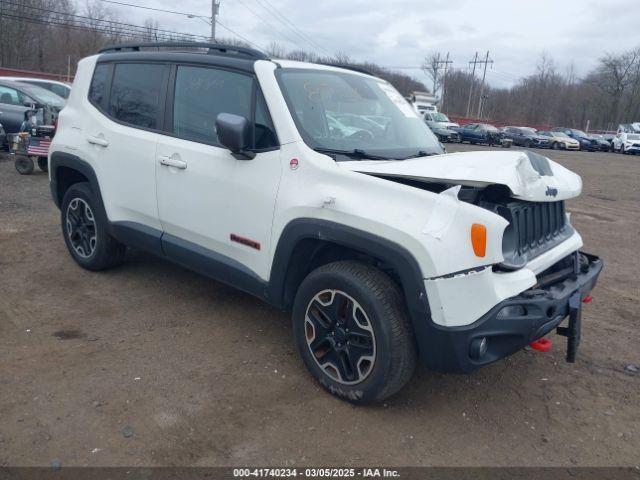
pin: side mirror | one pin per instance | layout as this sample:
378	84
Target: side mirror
234	132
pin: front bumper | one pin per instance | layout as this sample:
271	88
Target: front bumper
513	323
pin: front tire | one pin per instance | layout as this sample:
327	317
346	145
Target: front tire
84	227
352	330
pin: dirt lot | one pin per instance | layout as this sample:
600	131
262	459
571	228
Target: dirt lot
150	364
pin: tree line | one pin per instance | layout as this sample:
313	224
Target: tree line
602	99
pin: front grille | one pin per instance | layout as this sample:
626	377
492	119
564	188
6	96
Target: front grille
534	228
536	224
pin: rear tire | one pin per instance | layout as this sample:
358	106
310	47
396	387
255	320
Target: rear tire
43	164
84	227
24	165
353	332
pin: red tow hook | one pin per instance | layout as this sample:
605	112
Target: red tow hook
541	345
587	299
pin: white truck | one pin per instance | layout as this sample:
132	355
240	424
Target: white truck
424	102
383	248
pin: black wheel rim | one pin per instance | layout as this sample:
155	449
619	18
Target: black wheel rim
81	227
340	337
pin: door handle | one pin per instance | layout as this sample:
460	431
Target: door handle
173	162
98	141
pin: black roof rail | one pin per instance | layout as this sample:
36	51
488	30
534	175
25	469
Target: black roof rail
214	48
355	68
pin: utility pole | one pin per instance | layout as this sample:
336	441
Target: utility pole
215	8
473	79
444	78
486	61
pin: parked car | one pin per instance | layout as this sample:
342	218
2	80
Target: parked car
480	133
627	140
59	88
586	141
16	98
603	143
444	134
526	137
383	248
560	140
3	138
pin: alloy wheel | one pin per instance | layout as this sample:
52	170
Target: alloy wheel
340	337
81	227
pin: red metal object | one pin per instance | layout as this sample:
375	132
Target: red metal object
541	345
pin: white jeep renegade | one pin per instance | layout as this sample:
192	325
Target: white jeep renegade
319	190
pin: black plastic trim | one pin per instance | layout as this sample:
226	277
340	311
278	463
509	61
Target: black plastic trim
403	263
139	236
448	348
62	159
213	265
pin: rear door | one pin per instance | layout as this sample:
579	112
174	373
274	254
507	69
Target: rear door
212	205
120	137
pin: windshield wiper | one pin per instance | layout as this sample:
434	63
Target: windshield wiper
356	153
419	153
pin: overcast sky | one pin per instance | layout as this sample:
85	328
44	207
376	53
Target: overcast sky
399	33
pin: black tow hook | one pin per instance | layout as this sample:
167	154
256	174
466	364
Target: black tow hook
572	331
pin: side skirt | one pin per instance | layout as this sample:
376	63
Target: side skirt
191	256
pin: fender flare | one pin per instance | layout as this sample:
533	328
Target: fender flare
68	160
400	259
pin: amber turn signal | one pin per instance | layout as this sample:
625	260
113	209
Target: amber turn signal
479	239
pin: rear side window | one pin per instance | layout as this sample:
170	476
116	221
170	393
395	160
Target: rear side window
9	96
201	94
135	94
97	90
59	90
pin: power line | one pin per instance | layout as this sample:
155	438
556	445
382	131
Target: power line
189	15
271	25
110	22
275	13
77	27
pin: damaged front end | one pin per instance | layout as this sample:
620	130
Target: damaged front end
518	321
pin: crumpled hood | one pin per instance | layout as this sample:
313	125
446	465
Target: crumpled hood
528	175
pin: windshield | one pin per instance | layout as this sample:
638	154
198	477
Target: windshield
43	95
528	130
344	112
580	133
490	128
440	117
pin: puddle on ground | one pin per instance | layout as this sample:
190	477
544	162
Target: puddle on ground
69	334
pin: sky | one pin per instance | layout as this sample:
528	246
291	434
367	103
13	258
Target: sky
400	33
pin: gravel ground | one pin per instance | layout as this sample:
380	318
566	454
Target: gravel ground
150	364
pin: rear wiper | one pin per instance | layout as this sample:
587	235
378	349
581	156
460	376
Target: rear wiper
355	153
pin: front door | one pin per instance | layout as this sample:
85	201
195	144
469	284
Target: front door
212	205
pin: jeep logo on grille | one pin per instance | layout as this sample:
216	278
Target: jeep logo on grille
551	192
